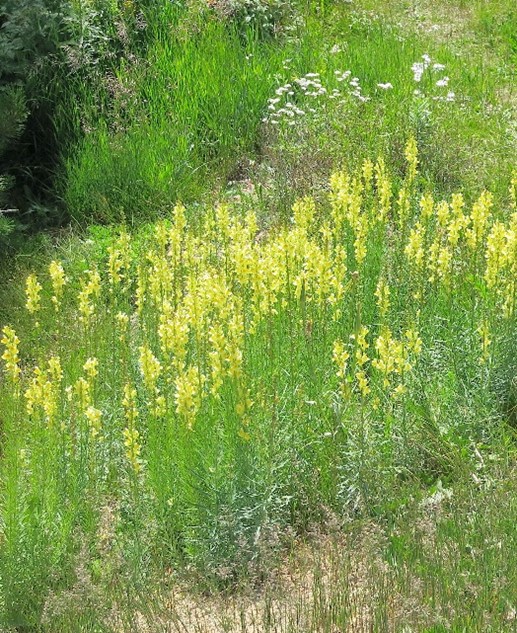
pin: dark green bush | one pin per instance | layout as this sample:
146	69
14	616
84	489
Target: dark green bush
51	53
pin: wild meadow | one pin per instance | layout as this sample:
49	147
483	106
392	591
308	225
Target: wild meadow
261	373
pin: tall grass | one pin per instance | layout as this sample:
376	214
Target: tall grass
196	396
188	113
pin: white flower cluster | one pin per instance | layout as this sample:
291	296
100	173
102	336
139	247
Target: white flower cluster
354	87
419	69
310	85
309	91
304	95
281	106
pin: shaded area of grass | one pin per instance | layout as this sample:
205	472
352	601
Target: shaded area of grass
181	119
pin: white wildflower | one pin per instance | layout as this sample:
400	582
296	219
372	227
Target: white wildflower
418	70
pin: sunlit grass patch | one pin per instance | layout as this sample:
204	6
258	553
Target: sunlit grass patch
222	386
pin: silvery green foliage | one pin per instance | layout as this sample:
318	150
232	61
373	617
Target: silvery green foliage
268	17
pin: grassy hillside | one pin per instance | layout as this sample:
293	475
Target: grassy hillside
284	313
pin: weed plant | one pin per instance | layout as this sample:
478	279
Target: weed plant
197	395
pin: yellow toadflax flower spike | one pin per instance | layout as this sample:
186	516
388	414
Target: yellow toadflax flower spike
10	355
33	292
58	279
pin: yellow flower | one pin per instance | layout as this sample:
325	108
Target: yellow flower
129	404
513	190
339	199
119	259
361	357
360	242
179	218
131	435
495	253
43	393
383	296
403	204
173	331
432	259
481	212
484	331
443	264
217	354
244	435
133	448
34	392
55	370
454	229
141	288
188	397
122	324
384	192
150	367
10	355
93	417
33	292
362	382
398	391
385	362
340	357
160	279
58	279
457	205
91	367
159	408
442	213
303	213
426	206
413	342
391	357
244	404
367	172
415	247
411	154
82	391
90	287
223	221
162	236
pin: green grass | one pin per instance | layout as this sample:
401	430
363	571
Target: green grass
196	100
413	492
253	427
466	144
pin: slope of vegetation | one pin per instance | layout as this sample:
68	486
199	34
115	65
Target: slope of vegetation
285	311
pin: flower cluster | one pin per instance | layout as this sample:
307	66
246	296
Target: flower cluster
425	68
10	355
307	96
213	305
